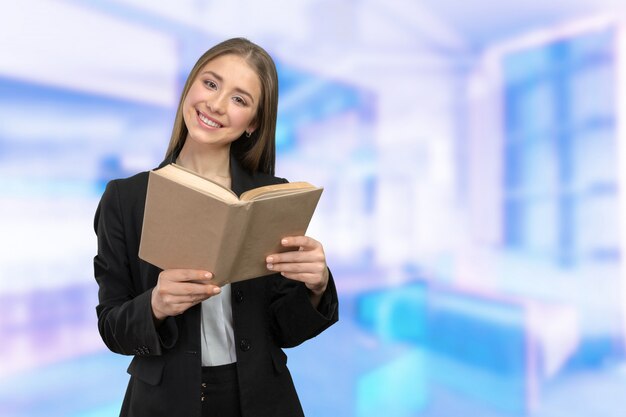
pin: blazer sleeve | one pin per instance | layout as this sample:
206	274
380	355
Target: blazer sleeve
124	311
294	319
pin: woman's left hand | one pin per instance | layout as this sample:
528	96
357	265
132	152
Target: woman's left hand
307	264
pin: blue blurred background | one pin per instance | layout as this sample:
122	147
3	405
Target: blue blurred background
472	157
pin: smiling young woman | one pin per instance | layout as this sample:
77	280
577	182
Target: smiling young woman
202	350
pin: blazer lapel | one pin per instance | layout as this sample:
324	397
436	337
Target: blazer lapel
241	180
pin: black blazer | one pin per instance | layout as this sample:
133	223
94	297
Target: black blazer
269	313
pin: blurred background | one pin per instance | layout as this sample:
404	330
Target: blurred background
472	155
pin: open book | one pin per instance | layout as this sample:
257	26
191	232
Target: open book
193	222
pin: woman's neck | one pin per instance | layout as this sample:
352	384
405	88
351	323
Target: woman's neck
209	162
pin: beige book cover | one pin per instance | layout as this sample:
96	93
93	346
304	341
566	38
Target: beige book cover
193	222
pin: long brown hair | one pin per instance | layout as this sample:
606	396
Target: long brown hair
257	152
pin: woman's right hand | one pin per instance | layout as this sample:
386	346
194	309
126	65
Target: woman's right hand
179	289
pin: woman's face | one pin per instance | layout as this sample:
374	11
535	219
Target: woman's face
222	101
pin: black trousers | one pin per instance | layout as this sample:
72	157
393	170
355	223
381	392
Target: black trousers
220	391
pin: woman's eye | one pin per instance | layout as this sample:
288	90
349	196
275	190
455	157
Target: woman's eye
210	84
239	100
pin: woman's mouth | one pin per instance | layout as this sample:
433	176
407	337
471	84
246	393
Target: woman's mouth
208	121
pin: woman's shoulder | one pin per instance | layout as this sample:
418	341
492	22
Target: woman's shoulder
123	196
127	190
130	184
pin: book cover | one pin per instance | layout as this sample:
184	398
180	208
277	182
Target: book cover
193	223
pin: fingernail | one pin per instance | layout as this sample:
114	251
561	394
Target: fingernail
269	259
216	290
284	241
270	266
208	275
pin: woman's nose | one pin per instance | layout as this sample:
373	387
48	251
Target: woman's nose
217	103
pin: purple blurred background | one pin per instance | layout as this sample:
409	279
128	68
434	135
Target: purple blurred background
472	156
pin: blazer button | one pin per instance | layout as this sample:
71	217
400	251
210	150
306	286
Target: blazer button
245	345
239	296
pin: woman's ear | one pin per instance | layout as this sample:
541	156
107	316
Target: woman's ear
251	128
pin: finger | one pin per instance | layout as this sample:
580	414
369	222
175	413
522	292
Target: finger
177	309
191	298
305	242
186	288
198	298
186	301
187	275
304	256
309	267
304	277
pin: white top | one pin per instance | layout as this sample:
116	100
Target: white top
218	339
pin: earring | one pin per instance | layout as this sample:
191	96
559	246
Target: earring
248	134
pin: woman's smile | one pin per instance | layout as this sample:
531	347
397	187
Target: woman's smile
208	121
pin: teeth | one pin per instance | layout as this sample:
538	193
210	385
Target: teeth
208	121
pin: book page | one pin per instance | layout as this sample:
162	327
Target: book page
197	182
276	190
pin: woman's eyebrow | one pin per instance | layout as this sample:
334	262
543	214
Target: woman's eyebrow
220	79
